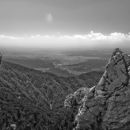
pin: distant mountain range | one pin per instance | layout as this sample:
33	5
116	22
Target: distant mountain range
62	65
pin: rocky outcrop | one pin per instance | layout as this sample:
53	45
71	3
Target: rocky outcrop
105	106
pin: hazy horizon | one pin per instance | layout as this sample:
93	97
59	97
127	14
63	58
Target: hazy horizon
64	24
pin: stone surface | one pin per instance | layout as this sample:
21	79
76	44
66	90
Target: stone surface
105	106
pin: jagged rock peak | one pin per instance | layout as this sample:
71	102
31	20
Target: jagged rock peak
106	105
117	70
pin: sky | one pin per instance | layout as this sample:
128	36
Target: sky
64	23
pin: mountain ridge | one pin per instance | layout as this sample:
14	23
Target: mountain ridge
106	105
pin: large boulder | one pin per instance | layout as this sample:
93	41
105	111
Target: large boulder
106	106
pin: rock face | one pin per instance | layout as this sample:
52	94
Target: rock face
105	106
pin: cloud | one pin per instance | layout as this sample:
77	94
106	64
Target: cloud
92	36
90	40
4	37
49	18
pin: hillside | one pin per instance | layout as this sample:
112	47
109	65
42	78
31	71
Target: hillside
60	64
33	100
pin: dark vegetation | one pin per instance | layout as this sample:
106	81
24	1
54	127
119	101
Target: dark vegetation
33	100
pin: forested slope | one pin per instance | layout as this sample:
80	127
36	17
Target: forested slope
32	100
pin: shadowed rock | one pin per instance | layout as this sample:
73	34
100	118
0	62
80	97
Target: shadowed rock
107	105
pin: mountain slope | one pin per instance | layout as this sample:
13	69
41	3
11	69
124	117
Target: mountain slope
30	99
